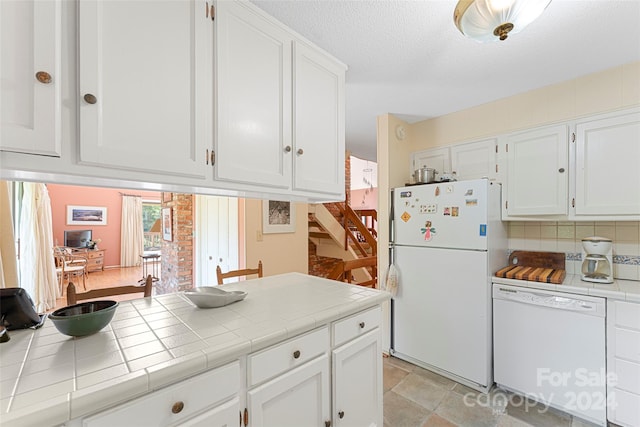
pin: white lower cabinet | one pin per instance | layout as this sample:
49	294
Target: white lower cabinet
299	397
357	370
190	402
623	363
225	415
357	379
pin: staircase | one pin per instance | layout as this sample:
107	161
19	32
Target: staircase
341	234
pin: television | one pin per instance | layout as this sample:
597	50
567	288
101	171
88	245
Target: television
77	238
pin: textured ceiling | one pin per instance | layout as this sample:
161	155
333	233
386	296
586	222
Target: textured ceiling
408	58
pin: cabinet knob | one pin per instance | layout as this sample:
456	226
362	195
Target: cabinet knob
561	170
287	149
300	151
43	77
341	414
361	324
296	354
327	424
177	407
90	99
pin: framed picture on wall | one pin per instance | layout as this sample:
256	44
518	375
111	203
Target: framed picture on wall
278	217
86	215
167	229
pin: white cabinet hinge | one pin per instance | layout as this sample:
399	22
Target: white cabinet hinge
573	137
209	11
506	147
496	168
506	204
213	157
573	202
496	148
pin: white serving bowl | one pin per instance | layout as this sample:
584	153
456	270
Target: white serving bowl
211	296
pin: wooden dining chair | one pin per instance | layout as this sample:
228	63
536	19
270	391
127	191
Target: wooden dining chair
238	273
73	297
343	271
69	266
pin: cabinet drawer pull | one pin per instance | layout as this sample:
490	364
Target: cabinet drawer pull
177	407
361	324
341	414
43	77
300	151
296	354
90	99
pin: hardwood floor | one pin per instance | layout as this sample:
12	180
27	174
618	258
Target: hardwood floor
105	279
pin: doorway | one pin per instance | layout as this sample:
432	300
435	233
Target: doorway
216	237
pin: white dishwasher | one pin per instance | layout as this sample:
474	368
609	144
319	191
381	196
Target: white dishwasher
550	346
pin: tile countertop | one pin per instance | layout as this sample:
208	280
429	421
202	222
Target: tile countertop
47	378
626	290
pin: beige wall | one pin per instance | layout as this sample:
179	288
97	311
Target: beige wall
280	253
608	90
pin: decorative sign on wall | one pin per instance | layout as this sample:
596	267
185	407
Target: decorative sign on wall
278	217
86	215
167	229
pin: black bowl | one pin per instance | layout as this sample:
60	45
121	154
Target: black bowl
84	319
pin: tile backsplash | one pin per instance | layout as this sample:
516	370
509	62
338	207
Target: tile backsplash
567	237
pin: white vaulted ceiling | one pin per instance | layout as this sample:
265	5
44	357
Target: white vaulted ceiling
406	57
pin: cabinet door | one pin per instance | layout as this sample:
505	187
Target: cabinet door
607	172
30	74
436	158
474	160
225	415
537	176
357	379
318	128
299	397
145	92
253	97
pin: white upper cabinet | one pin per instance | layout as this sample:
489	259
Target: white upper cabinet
318	121
145	89
537	172
279	106
30	63
607	172
474	160
434	158
253	91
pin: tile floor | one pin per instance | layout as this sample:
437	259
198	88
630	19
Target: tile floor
416	397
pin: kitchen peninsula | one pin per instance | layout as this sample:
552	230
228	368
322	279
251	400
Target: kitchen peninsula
296	341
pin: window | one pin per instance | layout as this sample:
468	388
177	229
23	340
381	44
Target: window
151	224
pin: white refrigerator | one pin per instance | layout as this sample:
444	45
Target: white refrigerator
447	241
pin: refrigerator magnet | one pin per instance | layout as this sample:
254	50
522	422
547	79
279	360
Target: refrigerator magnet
428	231
437	191
447	211
454	211
405	216
483	229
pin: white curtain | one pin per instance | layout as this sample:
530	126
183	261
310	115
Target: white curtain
8	259
37	268
131	231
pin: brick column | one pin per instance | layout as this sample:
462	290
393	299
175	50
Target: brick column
177	255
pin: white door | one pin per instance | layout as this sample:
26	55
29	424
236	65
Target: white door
474	160
216	237
30	73
297	398
253	97
145	85
357	379
608	151
318	105
537	172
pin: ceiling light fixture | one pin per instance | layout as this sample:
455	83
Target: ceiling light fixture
487	20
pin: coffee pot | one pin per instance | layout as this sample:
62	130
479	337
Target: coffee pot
597	260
